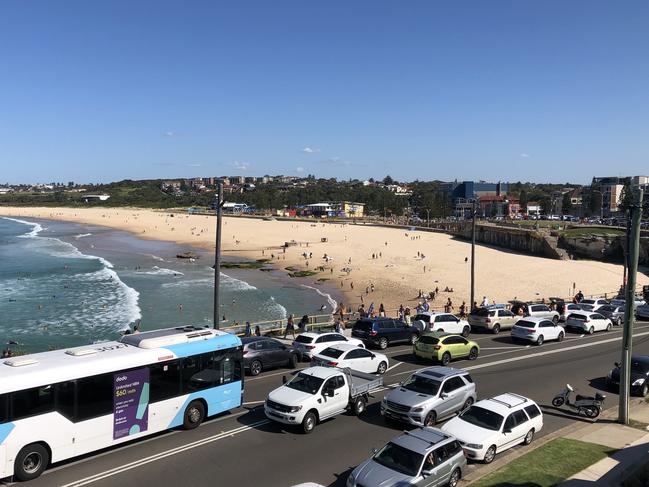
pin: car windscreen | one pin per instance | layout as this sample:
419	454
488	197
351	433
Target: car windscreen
424	318
429	340
483	312
363	325
400	459
525	324
587	307
482	418
305	383
422	385
607	307
587	301
332	352
577	316
303	339
640	366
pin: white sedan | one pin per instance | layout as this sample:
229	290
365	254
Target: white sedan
346	355
588	322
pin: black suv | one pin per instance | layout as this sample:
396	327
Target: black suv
381	332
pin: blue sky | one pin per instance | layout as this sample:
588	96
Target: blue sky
496	90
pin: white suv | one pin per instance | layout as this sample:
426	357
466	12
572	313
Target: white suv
442	322
309	344
494	425
537	330
592	304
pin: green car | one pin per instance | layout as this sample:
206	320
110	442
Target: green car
443	348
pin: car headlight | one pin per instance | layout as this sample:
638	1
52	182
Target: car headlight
385	400
638	382
609	375
350	480
295	409
417	410
474	445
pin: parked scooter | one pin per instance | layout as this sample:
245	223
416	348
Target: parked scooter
590	406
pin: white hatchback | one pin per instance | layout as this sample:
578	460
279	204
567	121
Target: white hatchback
441	322
347	355
593	304
537	330
309	343
588	322
494	425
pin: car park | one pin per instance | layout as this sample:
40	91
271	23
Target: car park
615	313
639	379
429	395
261	353
356	358
494	425
441	322
537	330
492	319
594	304
381	332
443	348
309	343
424	456
535	310
319	393
588	322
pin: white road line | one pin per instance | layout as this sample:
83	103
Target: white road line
160	456
502	348
395	365
288	371
251	402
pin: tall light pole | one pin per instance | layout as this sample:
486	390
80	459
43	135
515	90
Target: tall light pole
627	336
217	254
428	217
473	212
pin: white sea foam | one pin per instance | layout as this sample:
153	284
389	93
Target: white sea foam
36	227
82	235
227	283
161	271
156	257
332	302
275	306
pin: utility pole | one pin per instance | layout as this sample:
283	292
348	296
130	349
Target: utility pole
474	211
627	337
217	254
626	249
428	217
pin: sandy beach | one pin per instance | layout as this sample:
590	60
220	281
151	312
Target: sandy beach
367	264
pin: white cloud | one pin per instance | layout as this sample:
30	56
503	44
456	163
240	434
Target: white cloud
526	156
310	150
299	169
195	164
337	161
169	133
242	166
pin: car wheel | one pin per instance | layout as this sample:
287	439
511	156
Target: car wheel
529	437
255	367
644	390
555	319
591	330
359	406
441	330
455	478
473	353
292	361
490	454
561	336
414	338
618	322
465	331
446	358
194	415
383	367
496	329
309	422
467	404
383	343
31	461
430	419
539	340
608	327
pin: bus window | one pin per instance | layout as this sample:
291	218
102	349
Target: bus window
165	380
94	396
3	408
30	402
196	373
64	393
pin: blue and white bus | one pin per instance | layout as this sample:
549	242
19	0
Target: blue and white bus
61	404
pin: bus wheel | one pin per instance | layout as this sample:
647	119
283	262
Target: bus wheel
31	461
194	415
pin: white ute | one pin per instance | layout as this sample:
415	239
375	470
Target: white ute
318	393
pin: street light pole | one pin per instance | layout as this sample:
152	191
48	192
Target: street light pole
474	211
428	217
217	254
627	337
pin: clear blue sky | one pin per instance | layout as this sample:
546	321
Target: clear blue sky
550	90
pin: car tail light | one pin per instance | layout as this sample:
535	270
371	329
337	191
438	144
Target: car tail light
373	333
309	347
245	352
587	320
437	347
332	364
487	320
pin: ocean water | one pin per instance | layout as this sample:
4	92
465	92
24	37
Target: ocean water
64	284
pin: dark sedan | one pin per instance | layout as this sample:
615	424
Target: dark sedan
260	353
639	375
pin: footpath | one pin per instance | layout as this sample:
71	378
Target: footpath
627	465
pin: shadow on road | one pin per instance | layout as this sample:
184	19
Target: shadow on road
565	413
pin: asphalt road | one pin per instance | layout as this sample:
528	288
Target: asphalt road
243	448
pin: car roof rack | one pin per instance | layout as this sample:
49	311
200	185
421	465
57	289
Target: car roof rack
523	400
426	440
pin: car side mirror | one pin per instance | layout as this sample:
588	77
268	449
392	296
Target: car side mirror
374	451
373	357
427	472
329	392
284	379
507	430
617	364
443	395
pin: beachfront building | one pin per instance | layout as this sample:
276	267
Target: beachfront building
534	209
234	208
466	192
319	210
498	206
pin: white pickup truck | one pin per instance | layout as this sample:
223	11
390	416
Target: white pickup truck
318	393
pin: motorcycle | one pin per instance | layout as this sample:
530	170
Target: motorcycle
590	406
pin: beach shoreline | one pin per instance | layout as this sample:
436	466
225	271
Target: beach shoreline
366	264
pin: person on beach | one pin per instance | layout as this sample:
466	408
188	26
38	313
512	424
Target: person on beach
303	323
485	302
289	326
463	310
448	307
382	310
248	331
257	331
406	314
401	312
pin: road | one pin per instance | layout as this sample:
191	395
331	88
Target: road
243	448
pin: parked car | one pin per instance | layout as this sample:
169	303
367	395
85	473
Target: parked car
639	375
615	313
637	301
535	310
567	309
309	343
347	355
537	330
594	304
494	425
319	393
492	319
441	322
443	347
381	332
642	312
261	353
429	395
424	456
588	322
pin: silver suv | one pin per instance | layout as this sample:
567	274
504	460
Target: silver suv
429	395
425	457
535	310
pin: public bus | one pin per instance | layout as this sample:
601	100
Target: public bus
64	403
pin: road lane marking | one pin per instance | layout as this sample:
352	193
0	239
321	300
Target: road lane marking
289	371
395	365
160	456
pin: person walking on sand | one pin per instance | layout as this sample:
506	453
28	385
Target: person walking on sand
381	310
289	327
485	301
463	310
248	331
401	312
449	306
